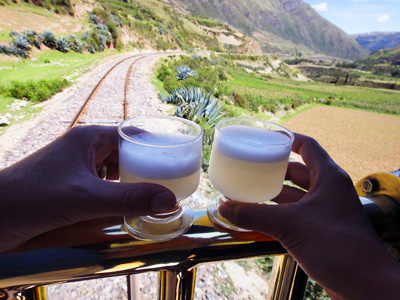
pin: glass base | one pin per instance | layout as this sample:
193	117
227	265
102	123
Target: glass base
212	210
160	228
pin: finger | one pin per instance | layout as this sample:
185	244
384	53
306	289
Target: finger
288	195
106	143
131	130
299	174
129	199
259	217
316	158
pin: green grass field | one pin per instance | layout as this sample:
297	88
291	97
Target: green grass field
283	90
49	65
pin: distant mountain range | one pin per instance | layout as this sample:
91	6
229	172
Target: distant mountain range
280	26
378	40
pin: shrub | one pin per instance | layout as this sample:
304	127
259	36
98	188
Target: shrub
112	28
171	83
163	72
115	19
35	91
238	100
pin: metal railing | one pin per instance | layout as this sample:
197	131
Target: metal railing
102	248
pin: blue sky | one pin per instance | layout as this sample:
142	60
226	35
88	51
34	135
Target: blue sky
360	16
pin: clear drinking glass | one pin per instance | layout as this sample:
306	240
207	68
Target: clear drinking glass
164	150
248	163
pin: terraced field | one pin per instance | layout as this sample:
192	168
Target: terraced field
360	142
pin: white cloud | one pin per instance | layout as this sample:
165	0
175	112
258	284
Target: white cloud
384	18
323	6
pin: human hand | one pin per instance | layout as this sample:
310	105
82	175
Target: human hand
59	185
326	229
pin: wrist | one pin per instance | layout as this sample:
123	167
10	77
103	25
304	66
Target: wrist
374	274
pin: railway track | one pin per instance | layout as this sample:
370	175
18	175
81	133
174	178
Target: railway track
110	95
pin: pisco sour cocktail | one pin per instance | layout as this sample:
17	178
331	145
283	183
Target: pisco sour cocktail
248	162
173	167
166	151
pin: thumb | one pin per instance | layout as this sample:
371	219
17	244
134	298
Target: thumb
130	199
265	218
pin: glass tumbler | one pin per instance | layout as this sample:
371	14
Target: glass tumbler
164	150
248	163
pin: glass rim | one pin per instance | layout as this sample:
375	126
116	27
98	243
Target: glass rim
290	133
173	118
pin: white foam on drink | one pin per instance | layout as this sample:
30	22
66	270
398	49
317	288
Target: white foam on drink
253	144
159	156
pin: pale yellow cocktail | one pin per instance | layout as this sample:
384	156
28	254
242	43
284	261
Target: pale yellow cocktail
163	150
160	162
249	159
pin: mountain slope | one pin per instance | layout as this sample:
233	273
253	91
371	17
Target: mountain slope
378	40
279	25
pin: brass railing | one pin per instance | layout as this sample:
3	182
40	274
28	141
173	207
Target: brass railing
101	248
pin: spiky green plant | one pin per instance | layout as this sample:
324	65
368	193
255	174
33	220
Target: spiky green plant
33	38
91	49
193	103
196	105
49	40
85	36
183	72
12	50
22	43
4	49
74	43
62	45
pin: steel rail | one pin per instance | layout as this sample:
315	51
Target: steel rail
81	111
127	82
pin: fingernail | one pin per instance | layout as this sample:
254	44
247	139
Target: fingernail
225	211
163	202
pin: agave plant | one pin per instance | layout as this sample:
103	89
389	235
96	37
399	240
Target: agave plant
85	36
62	45
4	49
91	49
22	43
13	50
93	18
74	43
183	72
13	34
194	104
49	40
33	37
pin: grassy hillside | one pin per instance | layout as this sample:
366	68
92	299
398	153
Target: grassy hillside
249	85
378	40
280	26
382	62
132	24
